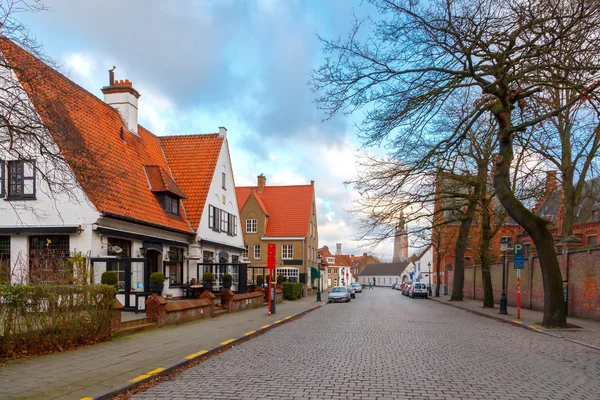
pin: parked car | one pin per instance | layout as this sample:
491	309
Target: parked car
407	288
339	293
357	287
418	290
400	285
352	291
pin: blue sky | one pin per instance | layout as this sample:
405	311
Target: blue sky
244	65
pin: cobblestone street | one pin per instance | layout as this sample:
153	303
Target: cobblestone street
383	345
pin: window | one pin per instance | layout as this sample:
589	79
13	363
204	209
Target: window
170	204
47	255
173	268
4	259
21	179
467	260
207	256
257	251
595	215
290	274
235	259
224	221
245	253
223	181
211	216
287	251
251	225
468	242
592	240
118	267
232	224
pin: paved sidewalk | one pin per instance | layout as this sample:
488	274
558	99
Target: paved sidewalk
587	335
94	370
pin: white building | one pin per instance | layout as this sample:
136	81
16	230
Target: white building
423	264
137	203
385	274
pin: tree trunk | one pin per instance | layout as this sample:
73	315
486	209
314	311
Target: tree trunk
484	253
459	252
554	312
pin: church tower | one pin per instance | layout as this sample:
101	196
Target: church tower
401	241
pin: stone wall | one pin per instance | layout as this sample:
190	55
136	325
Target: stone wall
165	312
580	270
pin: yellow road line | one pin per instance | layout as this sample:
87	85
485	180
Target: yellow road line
517	321
146	375
534	328
87	398
265	326
227	341
192	356
139	378
287	317
278	321
249	333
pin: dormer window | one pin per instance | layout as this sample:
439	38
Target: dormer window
170	204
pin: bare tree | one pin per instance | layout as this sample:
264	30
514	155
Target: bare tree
35	123
418	55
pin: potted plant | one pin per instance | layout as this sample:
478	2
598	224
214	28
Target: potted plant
260	280
110	278
280	278
207	280
227	280
157	282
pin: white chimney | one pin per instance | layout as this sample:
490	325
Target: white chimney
122	96
223	132
338	250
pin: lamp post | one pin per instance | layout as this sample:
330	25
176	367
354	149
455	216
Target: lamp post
504	249
319	282
429	272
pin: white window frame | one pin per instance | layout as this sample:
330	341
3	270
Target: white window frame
251	225
245	253
224	221
287	251
257	252
288	273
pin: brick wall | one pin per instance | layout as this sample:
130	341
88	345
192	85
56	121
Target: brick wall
580	268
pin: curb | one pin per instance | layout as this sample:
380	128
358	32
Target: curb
199	357
514	323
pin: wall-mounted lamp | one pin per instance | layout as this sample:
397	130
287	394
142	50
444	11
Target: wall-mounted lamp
142	252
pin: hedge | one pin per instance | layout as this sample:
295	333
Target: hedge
44	318
292	290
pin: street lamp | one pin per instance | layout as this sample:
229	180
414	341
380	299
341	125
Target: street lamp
429	272
504	249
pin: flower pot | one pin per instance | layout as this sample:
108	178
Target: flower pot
207	285
227	284
157	288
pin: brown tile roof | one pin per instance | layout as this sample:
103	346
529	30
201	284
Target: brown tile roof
161	182
193	159
74	115
288	206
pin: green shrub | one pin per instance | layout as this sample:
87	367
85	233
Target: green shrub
109	278
280	278
208	277
292	290
157	277
227	278
45	318
260	278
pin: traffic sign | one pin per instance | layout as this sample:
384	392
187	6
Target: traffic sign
519	259
271	256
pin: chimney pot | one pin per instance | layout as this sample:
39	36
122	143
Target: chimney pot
124	98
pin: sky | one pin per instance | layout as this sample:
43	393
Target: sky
244	65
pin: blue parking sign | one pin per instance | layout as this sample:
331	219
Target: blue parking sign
519	259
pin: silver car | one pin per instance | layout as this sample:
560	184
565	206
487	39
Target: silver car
357	287
339	293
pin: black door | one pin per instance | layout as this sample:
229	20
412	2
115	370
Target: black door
153	261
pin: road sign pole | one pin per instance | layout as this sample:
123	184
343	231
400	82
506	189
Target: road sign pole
518	294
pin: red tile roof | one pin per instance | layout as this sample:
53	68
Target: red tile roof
73	115
289	207
193	159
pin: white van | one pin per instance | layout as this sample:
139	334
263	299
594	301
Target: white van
418	290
